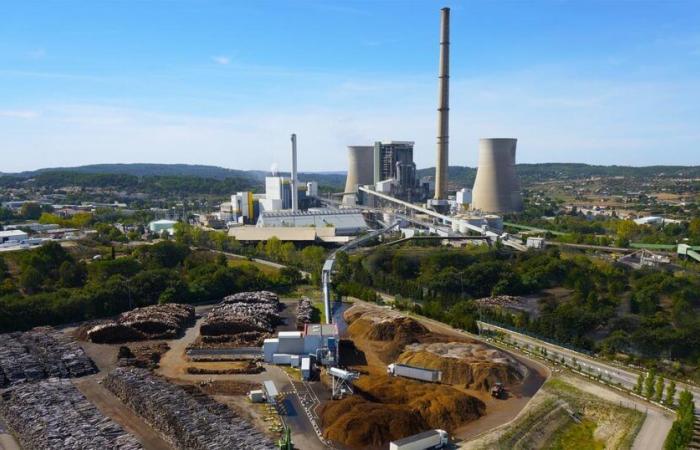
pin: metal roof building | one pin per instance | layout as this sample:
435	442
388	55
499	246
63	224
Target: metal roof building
345	221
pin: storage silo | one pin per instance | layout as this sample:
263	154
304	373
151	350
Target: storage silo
496	187
360	170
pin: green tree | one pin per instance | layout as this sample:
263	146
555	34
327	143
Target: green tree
31	280
670	393
640	384
30	211
659	389
649	385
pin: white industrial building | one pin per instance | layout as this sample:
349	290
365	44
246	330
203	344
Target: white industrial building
345	221
319	341
158	226
12	236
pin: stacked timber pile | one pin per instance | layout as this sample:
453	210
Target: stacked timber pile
472	365
242	313
41	353
304	312
190	420
152	322
54	414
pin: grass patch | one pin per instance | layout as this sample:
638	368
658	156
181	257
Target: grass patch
577	436
293	372
267	270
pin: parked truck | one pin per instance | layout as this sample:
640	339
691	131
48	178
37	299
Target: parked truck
416	373
422	441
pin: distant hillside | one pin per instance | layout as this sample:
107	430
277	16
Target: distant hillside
464	176
253	177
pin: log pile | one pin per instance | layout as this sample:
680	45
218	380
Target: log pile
151	322
41	353
243	312
189	419
304	312
54	414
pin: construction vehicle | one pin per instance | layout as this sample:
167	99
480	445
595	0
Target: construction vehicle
422	441
498	391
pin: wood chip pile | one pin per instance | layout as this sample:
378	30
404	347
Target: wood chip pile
151	322
507	301
304	312
190	420
54	414
41	353
243	312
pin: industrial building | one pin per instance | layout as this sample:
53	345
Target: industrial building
317	341
12	236
159	226
496	187
345	221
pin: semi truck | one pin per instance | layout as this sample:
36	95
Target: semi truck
422	441
416	373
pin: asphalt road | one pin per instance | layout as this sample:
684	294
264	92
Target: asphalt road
614	374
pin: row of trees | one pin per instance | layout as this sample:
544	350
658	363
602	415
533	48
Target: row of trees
683	427
52	287
654	388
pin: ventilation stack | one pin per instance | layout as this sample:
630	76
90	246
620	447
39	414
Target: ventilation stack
360	171
295	190
443	107
496	187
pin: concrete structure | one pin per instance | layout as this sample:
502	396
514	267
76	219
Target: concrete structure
278	194
463	197
345	221
249	233
158	226
241	209
538	243
360	170
294	187
443	107
12	236
496	187
319	341
312	189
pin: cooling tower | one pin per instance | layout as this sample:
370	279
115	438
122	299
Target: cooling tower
360	169
496	188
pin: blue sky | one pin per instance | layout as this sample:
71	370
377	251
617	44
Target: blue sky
226	82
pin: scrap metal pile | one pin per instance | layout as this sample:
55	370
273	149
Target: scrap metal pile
41	353
304	312
243	312
54	414
152	322
190	420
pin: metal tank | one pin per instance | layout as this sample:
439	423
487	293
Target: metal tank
360	170
496	187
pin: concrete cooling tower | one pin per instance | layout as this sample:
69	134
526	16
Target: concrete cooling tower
496	188
360	170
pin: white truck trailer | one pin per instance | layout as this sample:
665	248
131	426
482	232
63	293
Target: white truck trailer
416	373
422	441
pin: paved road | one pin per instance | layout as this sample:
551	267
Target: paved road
658	421
628	378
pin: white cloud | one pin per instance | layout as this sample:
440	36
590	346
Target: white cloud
19	114
223	60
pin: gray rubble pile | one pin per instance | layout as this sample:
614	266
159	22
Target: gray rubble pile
54	414
151	322
190	420
304	312
41	353
243	312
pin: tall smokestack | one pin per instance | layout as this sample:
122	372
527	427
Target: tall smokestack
443	107
295	192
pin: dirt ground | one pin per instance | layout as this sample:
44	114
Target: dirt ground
498	411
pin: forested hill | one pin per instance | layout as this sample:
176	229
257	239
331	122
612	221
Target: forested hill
245	178
551	171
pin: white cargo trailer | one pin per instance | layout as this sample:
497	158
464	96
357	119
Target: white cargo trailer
422	441
416	373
